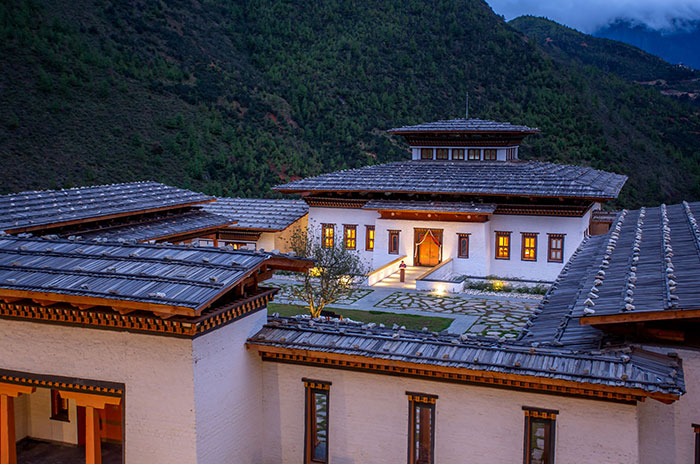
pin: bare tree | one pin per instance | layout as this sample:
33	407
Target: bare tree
336	273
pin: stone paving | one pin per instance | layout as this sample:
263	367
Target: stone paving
495	317
499	317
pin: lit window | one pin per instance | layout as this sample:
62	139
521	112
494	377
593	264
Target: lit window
490	155
502	245
529	251
473	154
556	248
59	407
316	434
394	242
327	235
426	153
442	153
369	238
350	237
421	423
463	245
458	154
539	435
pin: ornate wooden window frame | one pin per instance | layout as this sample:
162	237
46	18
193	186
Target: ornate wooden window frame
498	255
474	154
696	429
426	153
59	407
490	154
350	243
394	250
369	238
312	387
549	415
442	154
423	400
550	249
460	239
327	240
523	248
458	154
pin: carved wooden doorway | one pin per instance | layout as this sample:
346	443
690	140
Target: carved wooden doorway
428	247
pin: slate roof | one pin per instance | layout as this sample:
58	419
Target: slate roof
259	214
464	125
24	211
639	369
517	178
188	278
648	262
161	228
437	206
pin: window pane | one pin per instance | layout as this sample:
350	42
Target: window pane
426	153
474	154
319	436
458	154
539	441
423	434
441	153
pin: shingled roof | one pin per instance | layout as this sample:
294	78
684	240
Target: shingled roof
259	214
517	178
465	125
646	268
165	279
30	211
635	369
161	228
436	206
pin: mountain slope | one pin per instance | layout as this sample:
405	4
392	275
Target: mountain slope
235	96
678	46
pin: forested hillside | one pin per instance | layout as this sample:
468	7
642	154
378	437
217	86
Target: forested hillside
232	97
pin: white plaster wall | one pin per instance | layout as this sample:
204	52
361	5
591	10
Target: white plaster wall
266	241
228	396
476	264
39	423
283	237
574	228
349	216
157	372
21	416
665	433
369	420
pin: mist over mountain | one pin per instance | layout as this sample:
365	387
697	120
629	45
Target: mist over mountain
679	44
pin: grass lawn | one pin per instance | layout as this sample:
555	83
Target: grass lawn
411	321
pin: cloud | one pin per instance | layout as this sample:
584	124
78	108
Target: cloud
591	15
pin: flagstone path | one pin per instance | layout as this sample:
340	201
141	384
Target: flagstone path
498	317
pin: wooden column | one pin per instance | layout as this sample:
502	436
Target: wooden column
91	403
8	439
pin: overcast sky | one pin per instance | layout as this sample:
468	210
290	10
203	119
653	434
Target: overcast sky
590	15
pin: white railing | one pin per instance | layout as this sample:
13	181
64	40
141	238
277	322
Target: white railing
384	271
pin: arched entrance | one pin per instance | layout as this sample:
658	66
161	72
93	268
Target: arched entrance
428	247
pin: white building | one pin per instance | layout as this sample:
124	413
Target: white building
464	205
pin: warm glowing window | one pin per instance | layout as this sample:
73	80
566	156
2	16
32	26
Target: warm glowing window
426	153
350	236
474	154
59	407
529	251
490	155
539	435
463	245
442	153
555	253
421	423
369	238
394	242
327	235
502	245
316	433
458	154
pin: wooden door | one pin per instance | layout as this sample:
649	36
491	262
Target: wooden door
428	244
111	423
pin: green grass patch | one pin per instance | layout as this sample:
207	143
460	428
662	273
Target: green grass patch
411	321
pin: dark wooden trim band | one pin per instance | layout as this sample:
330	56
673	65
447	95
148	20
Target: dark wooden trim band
56	382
